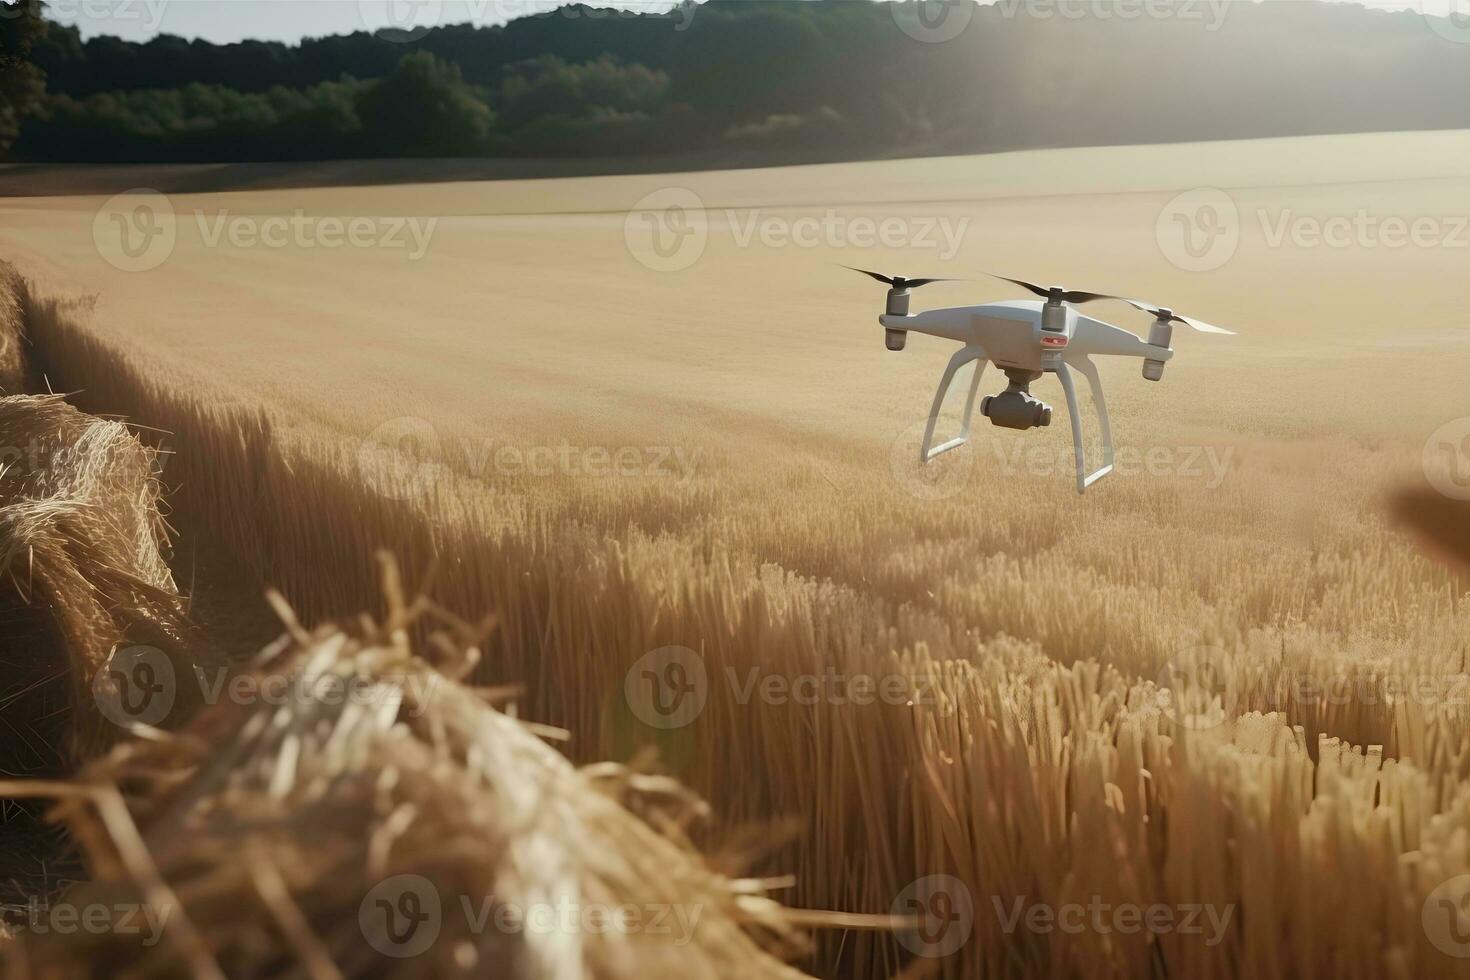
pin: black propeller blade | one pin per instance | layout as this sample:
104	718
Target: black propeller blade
898	282
1060	295
1056	293
1167	314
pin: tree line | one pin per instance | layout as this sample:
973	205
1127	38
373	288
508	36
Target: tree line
824	78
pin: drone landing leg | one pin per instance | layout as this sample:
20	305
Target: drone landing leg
1089	371
961	358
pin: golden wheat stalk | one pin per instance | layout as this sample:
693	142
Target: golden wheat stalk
1282	776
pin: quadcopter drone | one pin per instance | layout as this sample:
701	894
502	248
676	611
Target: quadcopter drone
1026	339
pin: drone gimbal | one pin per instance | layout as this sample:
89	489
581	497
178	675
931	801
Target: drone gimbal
1028	339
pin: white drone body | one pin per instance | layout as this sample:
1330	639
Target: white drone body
1028	339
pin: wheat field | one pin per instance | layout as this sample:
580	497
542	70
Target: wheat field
1222	683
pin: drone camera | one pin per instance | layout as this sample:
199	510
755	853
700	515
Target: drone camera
895	339
1015	408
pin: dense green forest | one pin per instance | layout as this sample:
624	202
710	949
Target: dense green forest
813	79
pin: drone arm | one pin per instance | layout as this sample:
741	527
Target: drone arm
954	324
1089	371
1096	337
962	357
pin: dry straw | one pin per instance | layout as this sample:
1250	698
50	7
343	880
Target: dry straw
266	833
80	547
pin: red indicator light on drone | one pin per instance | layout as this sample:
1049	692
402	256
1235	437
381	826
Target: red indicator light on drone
1054	341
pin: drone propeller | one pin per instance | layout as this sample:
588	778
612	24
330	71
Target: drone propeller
898	282
1172	317
1055	293
1060	295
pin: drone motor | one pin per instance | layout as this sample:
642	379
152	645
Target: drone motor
1161	334
1054	316
898	302
898	305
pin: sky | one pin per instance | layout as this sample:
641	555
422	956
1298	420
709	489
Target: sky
291	20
